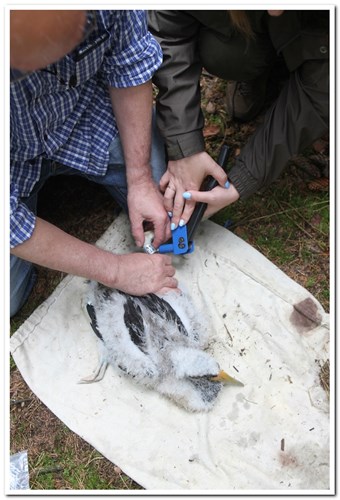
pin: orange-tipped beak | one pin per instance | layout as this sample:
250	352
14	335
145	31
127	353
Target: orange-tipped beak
225	379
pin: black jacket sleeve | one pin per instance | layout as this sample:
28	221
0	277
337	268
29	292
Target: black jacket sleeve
179	115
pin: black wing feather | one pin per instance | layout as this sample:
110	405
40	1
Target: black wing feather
92	313
164	310
134	321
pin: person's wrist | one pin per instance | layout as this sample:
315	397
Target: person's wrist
108	271
137	177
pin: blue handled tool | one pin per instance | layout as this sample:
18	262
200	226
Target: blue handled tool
181	241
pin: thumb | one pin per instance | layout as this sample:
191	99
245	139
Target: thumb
218	173
138	234
159	235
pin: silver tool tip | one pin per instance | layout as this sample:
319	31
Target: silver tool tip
149	249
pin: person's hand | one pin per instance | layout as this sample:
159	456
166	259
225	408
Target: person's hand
216	199
185	175
145	203
139	274
275	13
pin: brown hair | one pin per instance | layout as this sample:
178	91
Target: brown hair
241	22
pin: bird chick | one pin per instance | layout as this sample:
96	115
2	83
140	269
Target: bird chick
158	342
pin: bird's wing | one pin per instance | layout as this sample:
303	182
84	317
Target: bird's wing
133	319
117	320
164	311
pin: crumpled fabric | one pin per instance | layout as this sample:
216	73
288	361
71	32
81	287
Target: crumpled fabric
19	474
265	329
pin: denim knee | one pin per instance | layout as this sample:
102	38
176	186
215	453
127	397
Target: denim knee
158	159
23	277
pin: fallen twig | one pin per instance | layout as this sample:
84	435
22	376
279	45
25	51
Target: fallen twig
48	470
267	216
20	401
321	246
303	218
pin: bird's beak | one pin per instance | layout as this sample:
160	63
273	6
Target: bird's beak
225	379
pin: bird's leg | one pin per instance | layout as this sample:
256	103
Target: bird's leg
97	375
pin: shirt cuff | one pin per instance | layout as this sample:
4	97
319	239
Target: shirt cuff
182	146
22	225
136	65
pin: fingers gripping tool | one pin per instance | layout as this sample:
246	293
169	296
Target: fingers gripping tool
181	241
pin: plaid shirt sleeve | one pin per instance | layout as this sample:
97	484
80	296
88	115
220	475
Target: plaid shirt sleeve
135	55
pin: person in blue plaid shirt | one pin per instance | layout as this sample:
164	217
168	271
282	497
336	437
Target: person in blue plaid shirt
81	103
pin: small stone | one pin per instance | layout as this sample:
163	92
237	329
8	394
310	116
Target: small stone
117	470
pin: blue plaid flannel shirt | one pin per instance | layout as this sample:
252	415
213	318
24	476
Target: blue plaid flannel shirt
64	112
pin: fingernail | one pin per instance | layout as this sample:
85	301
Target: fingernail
187	195
227	185
181	223
173	226
170	214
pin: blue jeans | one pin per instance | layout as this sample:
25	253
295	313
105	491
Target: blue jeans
23	273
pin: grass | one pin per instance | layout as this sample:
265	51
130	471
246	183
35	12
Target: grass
289	223
86	475
58	458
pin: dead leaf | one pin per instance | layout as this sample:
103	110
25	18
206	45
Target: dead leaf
240	231
229	131
321	184
320	146
211	130
210	108
316	220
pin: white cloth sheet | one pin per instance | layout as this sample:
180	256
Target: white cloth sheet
271	434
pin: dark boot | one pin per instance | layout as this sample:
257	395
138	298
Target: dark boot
246	99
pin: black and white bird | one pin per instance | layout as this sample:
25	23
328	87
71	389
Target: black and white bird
159	342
